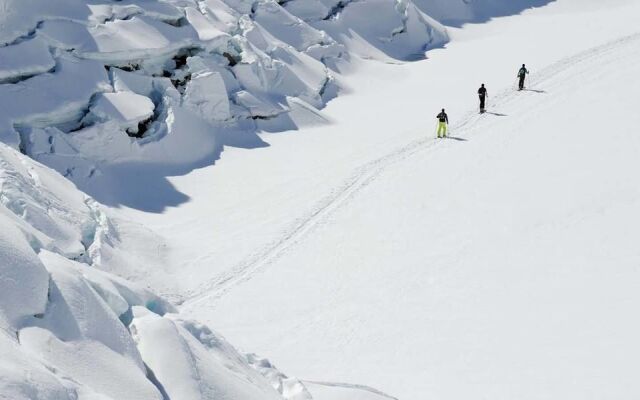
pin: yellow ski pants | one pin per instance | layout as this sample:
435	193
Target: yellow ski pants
442	129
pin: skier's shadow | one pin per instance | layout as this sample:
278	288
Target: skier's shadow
459	139
496	114
535	90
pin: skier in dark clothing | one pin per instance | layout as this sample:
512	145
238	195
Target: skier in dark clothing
443	121
522	74
482	93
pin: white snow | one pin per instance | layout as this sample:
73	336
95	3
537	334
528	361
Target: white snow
50	99
455	12
24	279
362	255
126	108
180	48
499	267
67	327
28	58
400	31
207	95
185	367
22	378
339	391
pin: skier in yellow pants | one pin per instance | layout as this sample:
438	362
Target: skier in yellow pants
443	122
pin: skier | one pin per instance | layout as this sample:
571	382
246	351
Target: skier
522	74
443	121
482	93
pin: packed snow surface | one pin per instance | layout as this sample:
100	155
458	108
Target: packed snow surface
359	253
503	264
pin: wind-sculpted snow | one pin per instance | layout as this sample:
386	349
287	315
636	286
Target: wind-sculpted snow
69	329
189	370
379	29
92	85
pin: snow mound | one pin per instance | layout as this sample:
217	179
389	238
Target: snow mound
24	279
190	370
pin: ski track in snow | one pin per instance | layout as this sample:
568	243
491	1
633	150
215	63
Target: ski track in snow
216	288
363	388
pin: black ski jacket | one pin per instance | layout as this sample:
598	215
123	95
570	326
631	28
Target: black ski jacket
443	117
522	72
482	92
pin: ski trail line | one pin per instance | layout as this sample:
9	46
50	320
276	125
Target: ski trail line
217	287
353	387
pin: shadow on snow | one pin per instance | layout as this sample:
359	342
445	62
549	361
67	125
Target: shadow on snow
478	11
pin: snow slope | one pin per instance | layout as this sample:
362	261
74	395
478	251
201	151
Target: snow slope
505	265
358	252
71	330
253	201
116	96
451	268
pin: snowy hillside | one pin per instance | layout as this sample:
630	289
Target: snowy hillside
167	83
163	86
113	95
503	266
69	330
149	189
